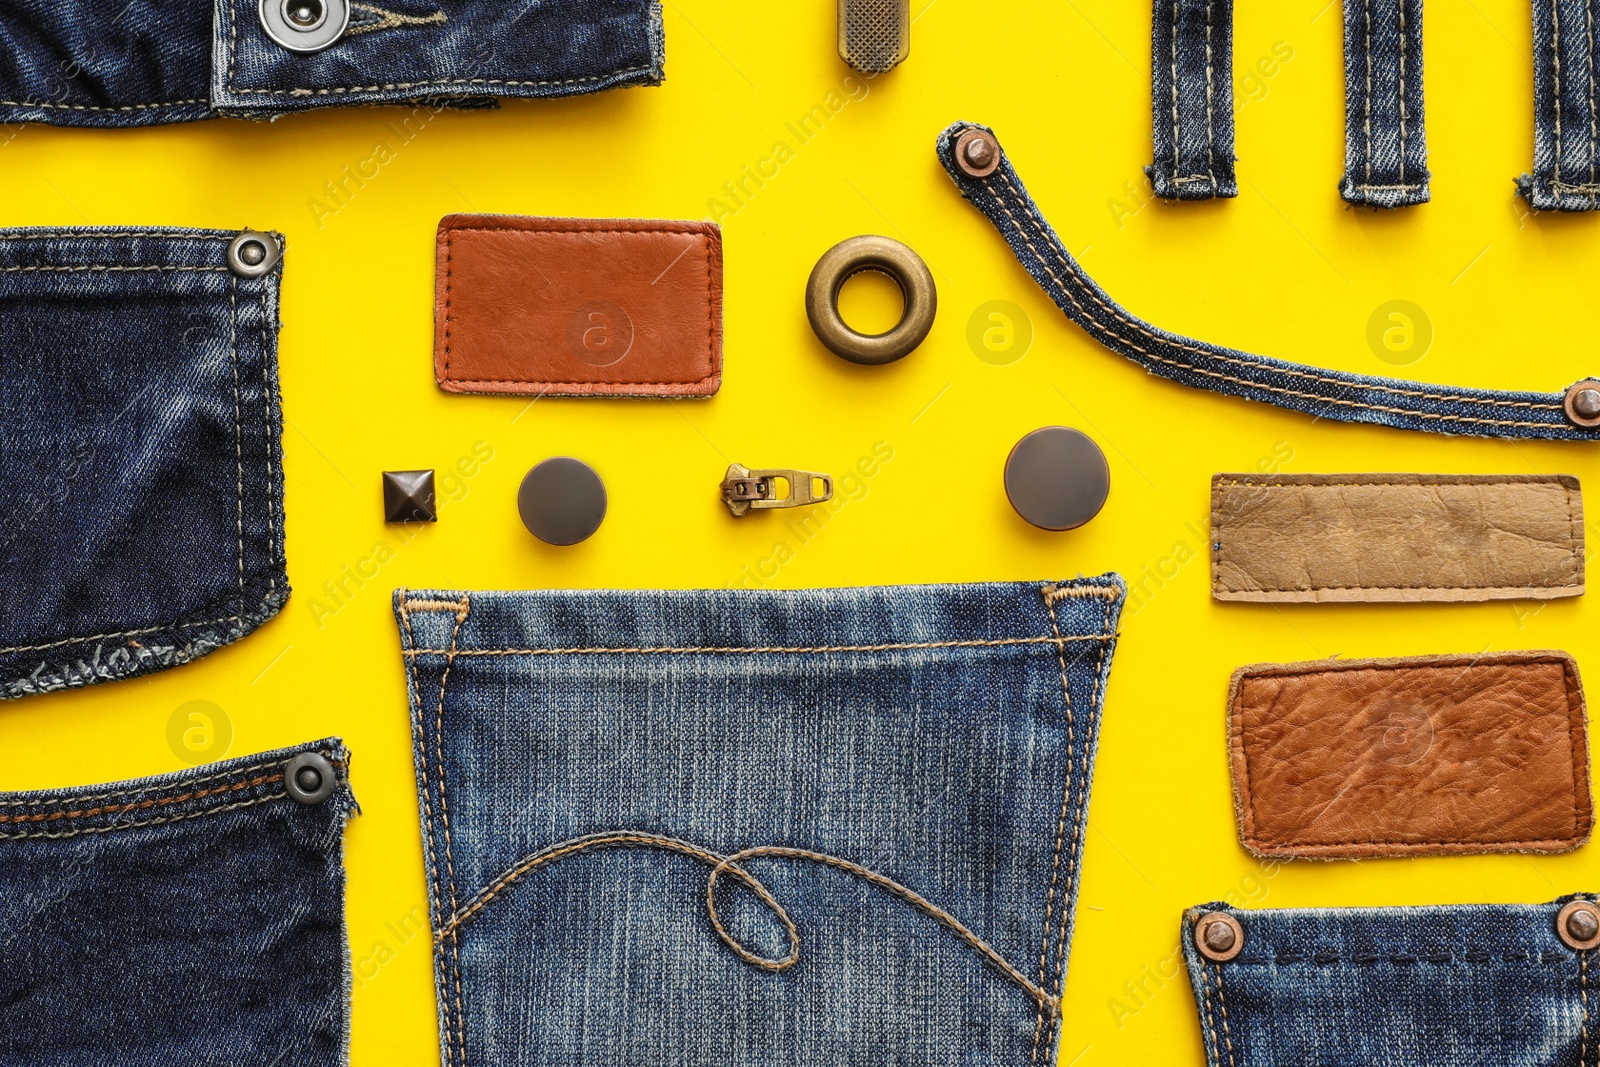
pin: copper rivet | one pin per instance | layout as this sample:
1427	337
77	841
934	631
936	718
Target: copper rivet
977	153
1582	403
1578	924
1218	936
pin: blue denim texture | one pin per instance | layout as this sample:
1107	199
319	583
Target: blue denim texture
1191	88
1324	393
729	828
141	488
1472	985
194	918
1565	152
112	63
1385	146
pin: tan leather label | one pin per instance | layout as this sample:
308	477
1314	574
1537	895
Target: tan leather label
1395	537
578	307
1428	755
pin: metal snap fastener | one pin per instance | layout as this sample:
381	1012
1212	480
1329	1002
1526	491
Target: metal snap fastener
562	501
252	254
309	778
977	153
1582	403
305	25
1057	478
1578	924
1218	936
849	258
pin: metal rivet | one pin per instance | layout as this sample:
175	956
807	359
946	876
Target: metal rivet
1218	936
253	254
1578	924
1582	403
977	153
408	497
1057	478
562	501
849	258
305	25
309	778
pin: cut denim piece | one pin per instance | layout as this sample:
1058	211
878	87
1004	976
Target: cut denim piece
141	476
1469	985
194	918
1191	86
112	63
725	828
1326	394
1385	147
1566	144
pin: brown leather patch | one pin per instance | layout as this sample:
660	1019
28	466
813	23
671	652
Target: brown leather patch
1395	537
578	307
1428	755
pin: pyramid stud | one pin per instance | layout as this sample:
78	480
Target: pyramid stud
408	497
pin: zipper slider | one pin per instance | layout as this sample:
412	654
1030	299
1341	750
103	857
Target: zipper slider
744	489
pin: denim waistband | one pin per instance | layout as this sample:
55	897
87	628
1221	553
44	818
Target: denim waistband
1191	89
1324	393
1403	987
706	828
1385	148
1566	147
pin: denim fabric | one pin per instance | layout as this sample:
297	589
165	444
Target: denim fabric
1475	985
141	482
723	828
112	63
1385	148
1324	393
193	918
1565	147
1191	85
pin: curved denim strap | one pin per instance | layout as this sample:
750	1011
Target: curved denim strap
1191	87
1324	393
1565	137
1385	148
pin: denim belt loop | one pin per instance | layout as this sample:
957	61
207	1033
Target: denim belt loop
1565	138
1191	53
1385	148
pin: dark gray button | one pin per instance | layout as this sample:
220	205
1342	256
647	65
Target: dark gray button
252	254
1057	478
408	497
562	501
309	778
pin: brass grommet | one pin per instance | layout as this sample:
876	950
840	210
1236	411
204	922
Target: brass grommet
977	153
1582	403
1578	924
849	258
1218	936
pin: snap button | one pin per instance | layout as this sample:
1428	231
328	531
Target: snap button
309	778
1218	936
977	153
849	258
1578	924
305	25
1582	403
562	501
252	254
1057	478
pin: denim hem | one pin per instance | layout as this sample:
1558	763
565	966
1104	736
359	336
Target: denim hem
1385	139
1327	394
1565	175
1191	98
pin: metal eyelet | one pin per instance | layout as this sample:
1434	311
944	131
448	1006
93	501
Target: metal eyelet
253	254
849	258
305	25
308	778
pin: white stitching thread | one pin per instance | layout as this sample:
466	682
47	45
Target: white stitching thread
147	822
1211	148
1555	56
1402	6
92	107
69	797
910	645
108	269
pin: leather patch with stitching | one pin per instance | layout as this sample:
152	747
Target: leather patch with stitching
578	307
1428	755
1395	537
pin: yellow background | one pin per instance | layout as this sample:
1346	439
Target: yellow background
1286	269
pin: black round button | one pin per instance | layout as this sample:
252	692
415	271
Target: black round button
309	778
1057	478
562	501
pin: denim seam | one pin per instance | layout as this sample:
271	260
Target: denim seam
1214	1051
1583	992
102	268
147	822
273	430
811	650
1222	1004
390	20
462	610
92	107
159	802
1264	386
69	798
238	432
